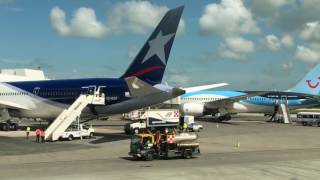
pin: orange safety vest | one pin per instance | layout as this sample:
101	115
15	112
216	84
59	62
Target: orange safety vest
38	131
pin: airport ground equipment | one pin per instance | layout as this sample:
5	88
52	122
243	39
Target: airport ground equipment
8	126
156	119
192	125
64	120
77	131
308	118
285	110
148	146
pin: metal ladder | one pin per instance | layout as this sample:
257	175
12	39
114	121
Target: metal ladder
285	112
64	120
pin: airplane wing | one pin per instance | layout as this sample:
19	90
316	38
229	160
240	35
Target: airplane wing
11	105
230	100
205	87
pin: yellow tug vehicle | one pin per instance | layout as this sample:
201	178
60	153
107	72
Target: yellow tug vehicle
148	146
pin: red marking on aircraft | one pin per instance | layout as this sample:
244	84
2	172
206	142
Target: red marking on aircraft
312	86
146	70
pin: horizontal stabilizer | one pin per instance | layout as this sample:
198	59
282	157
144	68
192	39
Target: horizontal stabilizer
139	88
205	87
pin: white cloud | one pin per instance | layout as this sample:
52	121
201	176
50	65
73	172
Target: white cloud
131	16
275	44
287	40
137	16
272	42
311	32
307	54
132	51
266	8
230	17
235	48
83	23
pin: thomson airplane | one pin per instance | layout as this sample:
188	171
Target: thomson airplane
140	86
224	103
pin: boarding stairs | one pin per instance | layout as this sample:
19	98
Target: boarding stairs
65	119
285	112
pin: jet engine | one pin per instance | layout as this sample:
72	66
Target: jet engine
192	109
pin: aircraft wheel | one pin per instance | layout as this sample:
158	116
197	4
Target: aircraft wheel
149	156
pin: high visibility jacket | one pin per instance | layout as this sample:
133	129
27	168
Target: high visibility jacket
185	125
38	132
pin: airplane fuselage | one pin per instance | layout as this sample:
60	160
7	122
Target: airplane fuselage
256	104
46	99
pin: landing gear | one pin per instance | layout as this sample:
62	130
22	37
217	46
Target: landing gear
224	118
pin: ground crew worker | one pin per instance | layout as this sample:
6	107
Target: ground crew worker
43	134
38	133
185	126
27	132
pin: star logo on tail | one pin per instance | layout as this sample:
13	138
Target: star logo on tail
157	47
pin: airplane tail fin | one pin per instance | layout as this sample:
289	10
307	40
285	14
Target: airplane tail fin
310	84
150	63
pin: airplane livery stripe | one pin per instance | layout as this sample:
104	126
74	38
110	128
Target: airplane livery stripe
146	70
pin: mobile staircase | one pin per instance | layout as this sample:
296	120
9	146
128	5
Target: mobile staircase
64	120
285	112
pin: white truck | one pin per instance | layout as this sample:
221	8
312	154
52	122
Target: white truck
77	131
155	119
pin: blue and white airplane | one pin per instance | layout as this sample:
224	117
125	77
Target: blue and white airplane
224	103
140	86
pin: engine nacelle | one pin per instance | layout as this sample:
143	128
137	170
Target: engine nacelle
192	109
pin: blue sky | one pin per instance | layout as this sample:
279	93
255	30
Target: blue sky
254	45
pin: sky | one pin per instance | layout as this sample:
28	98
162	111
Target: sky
252	45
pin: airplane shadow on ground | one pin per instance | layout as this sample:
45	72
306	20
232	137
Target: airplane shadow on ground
217	121
109	137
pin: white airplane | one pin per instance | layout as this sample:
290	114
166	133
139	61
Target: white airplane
223	103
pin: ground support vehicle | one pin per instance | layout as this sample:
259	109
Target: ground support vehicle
148	146
8	126
156	119
77	131
308	118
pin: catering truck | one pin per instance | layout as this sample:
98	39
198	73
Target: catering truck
156	119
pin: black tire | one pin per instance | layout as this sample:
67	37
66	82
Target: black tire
304	123
4	127
90	135
187	154
70	138
135	131
15	127
149	156
319	124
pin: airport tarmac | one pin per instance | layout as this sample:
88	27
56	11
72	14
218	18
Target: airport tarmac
244	148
